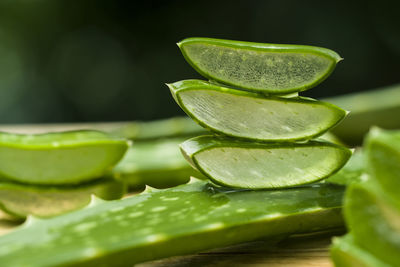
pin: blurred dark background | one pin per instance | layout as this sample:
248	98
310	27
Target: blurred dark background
77	61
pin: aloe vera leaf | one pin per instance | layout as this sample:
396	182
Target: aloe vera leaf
345	253
254	165
384	159
254	116
21	200
157	129
267	68
58	158
158	163
134	130
374	221
354	171
376	107
175	221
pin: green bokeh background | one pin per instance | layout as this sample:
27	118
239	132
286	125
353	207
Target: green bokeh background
78	61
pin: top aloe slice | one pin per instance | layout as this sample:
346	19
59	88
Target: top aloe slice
254	116
268	68
58	158
232	163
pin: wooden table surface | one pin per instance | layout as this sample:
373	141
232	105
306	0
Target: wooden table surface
296	251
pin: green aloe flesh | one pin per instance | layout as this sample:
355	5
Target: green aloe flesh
254	165
374	221
384	159
158	163
161	223
267	68
58	158
376	107
345	253
20	200
254	116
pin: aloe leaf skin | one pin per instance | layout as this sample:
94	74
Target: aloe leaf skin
345	253
58	158
157	163
19	200
384	159
377	107
239	164
176	221
267	68
374	221
254	116
133	130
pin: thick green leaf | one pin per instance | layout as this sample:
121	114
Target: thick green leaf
384	160
374	221
161	223
345	253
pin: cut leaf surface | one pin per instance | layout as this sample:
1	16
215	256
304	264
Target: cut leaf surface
45	201
58	158
268	68
254	116
181	220
239	164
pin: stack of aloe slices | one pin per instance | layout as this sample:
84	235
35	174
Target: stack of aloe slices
263	128
372	208
49	174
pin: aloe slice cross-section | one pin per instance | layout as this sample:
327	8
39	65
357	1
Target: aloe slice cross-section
58	158
254	116
162	223
20	200
269	68
254	165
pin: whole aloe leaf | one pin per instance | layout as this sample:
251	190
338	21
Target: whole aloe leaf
346	253
162	223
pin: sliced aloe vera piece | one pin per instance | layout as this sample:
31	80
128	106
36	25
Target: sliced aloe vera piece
345	253
58	158
254	116
21	200
158	163
374	221
161	223
254	165
268	68
384	159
